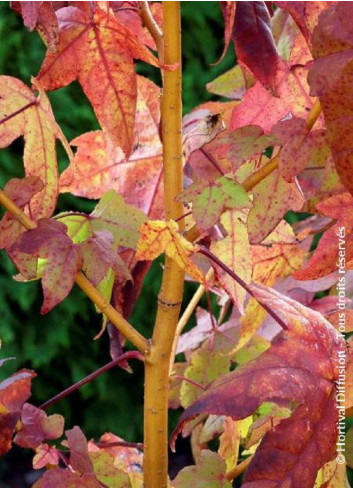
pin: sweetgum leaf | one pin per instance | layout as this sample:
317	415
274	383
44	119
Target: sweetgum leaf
157	237
231	84
261	108
330	78
210	471
254	44
300	147
14	392
228	10
79	458
120	219
215	196
337	237
99	165
99	52
301	367
66	478
234	251
273	197
45	455
21	192
305	14
40	131
106	472
99	255
37	426
127	459
63	259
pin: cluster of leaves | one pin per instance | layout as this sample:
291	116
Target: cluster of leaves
263	378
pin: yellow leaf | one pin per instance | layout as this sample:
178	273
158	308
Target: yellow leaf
157	237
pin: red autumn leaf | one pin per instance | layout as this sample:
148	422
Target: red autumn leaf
132	20
23	114
66	478
21	192
228	10
305	14
273	197
99	165
37	426
79	458
45	455
301	366
254	44
99	52
99	255
330	79
300	147
336	245
260	107
50	241
14	392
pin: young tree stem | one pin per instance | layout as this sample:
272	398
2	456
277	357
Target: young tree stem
170	296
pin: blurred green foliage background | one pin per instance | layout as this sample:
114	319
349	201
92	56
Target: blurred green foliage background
60	345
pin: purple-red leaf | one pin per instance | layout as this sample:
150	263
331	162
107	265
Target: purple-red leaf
14	392
63	259
301	366
254	44
37	426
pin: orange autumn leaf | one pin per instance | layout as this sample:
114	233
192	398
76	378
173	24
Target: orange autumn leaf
98	51
157	237
24	114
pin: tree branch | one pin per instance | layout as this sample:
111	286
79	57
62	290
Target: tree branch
122	358
112	314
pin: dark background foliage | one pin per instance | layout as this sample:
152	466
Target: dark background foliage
60	345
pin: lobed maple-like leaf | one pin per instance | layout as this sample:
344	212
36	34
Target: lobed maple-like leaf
336	242
254	43
99	256
300	147
45	455
63	259
24	114
300	367
305	14
99	165
127	460
14	392
215	196
98	51
234	251
122	220
157	237
231	84
37	426
273	197
210	471
21	192
66	478
330	78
